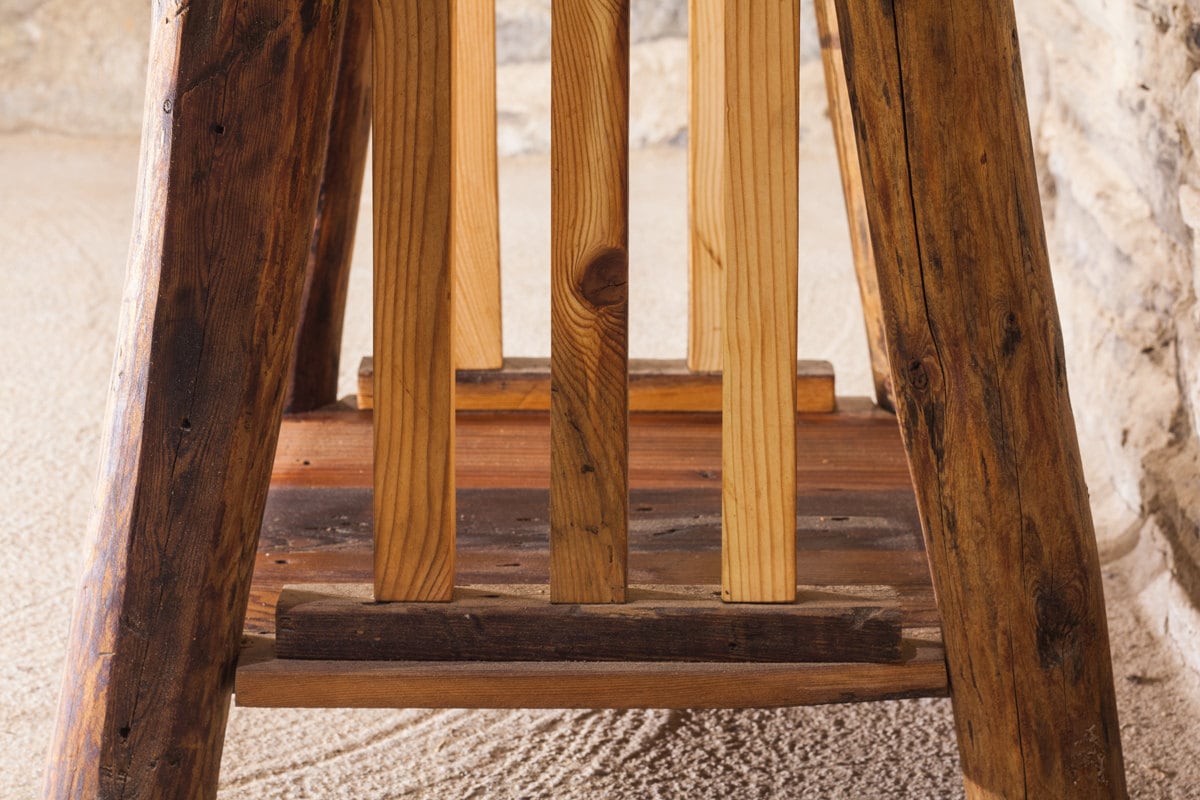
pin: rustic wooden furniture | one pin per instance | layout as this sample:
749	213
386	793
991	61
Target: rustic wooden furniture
691	558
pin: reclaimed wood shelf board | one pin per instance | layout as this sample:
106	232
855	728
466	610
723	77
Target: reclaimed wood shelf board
523	384
265	681
858	536
506	622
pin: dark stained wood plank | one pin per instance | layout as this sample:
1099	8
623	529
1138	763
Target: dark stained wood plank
519	623
313	382
414	301
333	447
589	302
758	332
265	681
845	538
905	572
236	117
331	518
975	345
654	385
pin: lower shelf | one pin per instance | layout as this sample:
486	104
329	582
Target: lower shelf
858	534
266	681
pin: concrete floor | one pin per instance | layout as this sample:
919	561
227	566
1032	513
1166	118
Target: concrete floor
68	206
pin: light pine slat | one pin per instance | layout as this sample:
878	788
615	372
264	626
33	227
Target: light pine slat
476	250
706	202
589	506
759	334
268	682
856	207
414	404
523	384
975	343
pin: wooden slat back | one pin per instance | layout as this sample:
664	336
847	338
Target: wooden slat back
476	247
706	200
759	331
589	493
414	288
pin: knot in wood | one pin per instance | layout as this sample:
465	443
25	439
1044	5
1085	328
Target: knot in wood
918	376
604	280
1060	613
1012	335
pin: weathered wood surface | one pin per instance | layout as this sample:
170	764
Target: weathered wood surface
974	340
589	304
476	251
507	622
236	118
857	525
706	181
333	447
852	192
856	519
414	299
758	334
265	681
654	385
313	381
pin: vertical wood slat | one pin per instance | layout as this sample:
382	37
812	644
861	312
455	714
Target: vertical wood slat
706	203
856	206
974	339
589	438
759	332
476	249
414	394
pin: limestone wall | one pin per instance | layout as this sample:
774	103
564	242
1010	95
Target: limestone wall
1115	107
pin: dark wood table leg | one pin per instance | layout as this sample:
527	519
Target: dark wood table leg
313	381
977	360
237	116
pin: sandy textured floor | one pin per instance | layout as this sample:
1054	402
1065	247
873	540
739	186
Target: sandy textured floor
67	206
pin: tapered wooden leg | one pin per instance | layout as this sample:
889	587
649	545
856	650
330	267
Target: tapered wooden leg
313	380
237	115
852	193
976	353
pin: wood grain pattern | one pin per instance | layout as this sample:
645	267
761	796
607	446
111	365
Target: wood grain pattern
265	681
236	117
313	381
706	167
758	340
333	447
414	301
852	192
519	623
476	248
523	384
847	535
589	209
974	342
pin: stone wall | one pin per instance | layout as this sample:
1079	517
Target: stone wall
1115	107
